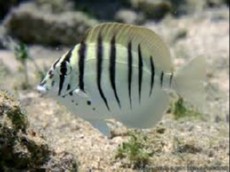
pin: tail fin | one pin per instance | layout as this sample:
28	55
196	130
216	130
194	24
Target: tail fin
189	82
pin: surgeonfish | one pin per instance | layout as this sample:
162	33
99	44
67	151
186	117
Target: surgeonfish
123	72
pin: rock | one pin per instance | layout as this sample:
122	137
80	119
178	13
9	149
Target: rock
129	16
18	148
103	9
55	6
187	7
35	26
21	148
156	9
216	3
5	6
194	6
62	161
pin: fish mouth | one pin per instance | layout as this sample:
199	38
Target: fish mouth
41	89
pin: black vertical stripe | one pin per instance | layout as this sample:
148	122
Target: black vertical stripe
52	83
140	71
81	64
112	68
43	83
162	78
99	68
68	87
152	75
170	80
130	61
55	63
63	71
68	56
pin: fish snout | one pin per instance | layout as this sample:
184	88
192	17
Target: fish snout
42	87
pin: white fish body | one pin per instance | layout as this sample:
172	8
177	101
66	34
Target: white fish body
123	72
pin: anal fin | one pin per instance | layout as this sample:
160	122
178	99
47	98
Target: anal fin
101	126
149	113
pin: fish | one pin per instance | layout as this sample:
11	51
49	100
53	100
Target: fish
122	72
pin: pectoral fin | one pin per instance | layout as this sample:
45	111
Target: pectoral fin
80	93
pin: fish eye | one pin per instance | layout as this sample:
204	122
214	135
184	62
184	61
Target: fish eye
65	68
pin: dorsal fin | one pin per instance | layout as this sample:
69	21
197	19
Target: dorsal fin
151	44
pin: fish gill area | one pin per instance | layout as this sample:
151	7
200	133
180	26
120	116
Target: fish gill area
39	134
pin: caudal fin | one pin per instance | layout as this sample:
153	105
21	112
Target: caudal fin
189	82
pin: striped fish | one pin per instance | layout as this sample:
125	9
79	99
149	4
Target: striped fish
122	72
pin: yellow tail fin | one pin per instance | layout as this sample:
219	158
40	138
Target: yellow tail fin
189	82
